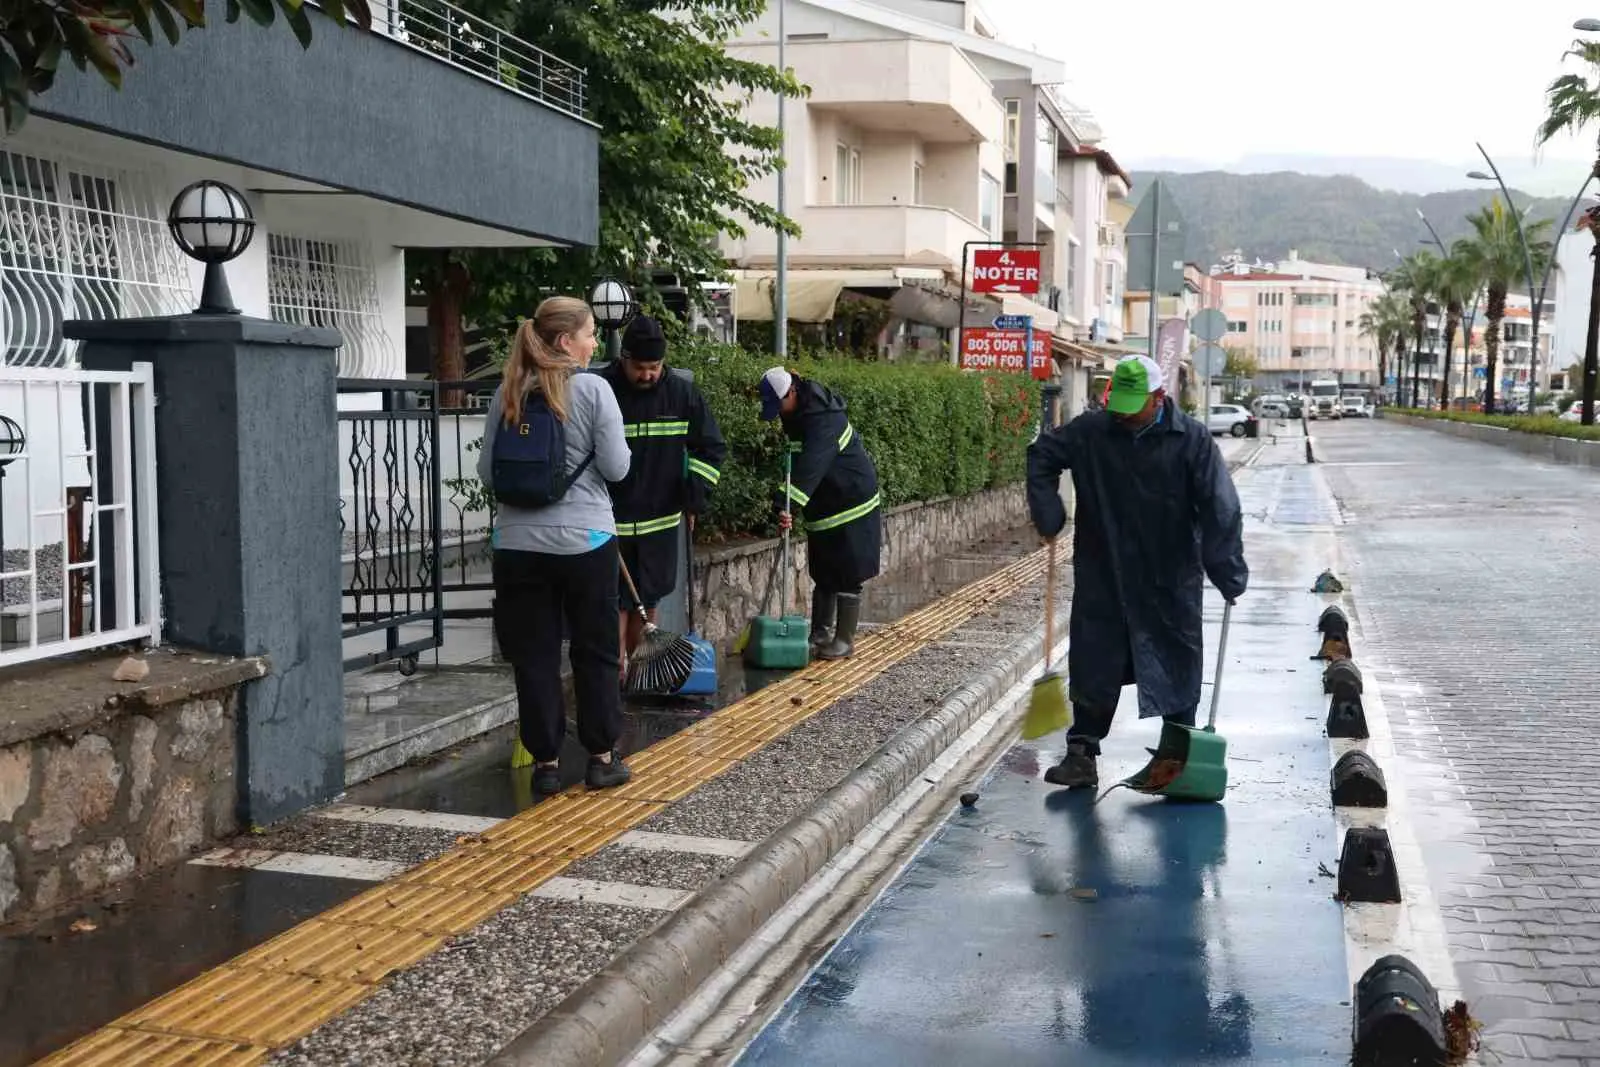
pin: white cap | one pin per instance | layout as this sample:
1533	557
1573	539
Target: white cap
775	385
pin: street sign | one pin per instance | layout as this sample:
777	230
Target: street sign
1013	322
1209	325
1002	350
1210	360
1005	270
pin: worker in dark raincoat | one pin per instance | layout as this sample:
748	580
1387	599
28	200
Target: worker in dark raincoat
1157	515
835	483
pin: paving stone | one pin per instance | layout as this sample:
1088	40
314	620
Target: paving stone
1459	555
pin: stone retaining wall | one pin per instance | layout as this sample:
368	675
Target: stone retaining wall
1569	450
91	793
733	581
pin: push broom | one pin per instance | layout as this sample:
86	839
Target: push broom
1048	710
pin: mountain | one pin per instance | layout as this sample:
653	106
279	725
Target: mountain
1548	176
1327	219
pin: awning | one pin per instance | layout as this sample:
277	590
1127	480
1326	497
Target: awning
810	299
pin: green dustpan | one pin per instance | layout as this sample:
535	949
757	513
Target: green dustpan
1189	763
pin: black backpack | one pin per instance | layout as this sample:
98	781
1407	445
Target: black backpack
530	457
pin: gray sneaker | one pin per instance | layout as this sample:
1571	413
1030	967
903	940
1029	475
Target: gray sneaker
1077	769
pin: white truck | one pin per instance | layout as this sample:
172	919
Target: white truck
1353	406
1324	400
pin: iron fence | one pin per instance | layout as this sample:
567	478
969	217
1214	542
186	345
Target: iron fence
390	521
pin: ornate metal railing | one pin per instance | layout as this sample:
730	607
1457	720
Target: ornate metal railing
446	32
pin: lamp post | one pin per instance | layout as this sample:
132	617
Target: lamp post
613	305
12	442
780	289
1535	296
212	223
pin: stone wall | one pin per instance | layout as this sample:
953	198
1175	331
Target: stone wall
734	580
89	796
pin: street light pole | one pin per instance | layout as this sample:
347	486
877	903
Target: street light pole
780	294
1527	263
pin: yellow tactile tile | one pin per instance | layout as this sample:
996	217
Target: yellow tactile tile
272	995
423	908
257	1007
318	949
116	1047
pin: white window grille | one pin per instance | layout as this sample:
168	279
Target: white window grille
79	241
317	282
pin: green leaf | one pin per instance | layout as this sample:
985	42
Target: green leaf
169	24
300	23
261	12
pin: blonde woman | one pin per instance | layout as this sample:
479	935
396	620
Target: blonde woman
555	544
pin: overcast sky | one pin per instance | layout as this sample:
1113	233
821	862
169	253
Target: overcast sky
1215	81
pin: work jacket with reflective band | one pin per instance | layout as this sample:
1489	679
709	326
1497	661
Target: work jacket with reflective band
833	481
677	452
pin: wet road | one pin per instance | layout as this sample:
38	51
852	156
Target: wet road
1042	928
1474	570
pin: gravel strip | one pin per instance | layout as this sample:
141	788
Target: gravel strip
638	866
468	1000
368	841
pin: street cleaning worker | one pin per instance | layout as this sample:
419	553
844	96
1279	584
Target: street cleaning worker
1157	515
552	440
677	460
836	485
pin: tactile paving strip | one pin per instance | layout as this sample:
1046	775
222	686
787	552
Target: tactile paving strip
274	994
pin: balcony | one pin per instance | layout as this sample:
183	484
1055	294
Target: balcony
872	235
433	113
925	88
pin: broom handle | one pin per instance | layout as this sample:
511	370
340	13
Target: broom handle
632	589
1216	681
786	578
1049	602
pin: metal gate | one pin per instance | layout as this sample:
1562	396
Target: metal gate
390	521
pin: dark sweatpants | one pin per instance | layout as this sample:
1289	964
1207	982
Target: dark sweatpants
534	593
1091	725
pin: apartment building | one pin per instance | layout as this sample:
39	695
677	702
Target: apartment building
1469	372
1300	320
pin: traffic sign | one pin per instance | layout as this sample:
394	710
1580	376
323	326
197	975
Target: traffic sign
1209	325
1005	270
1210	360
1002	350
1013	322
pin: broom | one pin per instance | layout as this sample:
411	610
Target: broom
663	660
1048	710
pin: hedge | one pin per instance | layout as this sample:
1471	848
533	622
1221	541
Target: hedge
1547	425
933	431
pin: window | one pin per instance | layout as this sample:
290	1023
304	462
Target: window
316	282
1044	163
989	205
1072	274
79	242
916	183
1313	300
846	174
1013	143
1237	327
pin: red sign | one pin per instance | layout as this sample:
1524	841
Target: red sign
1001	350
1005	270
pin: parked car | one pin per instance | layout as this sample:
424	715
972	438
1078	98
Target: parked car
1574	413
1230	419
1271	407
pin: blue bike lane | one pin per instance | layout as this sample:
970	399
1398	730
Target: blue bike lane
1043	927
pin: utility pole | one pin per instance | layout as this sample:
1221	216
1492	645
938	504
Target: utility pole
780	294
1155	265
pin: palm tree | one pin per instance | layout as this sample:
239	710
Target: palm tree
1495	253
1455	284
1417	279
1385	322
1572	102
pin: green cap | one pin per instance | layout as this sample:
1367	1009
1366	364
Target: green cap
1132	382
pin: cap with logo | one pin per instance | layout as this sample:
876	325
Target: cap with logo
1132	381
644	341
775	385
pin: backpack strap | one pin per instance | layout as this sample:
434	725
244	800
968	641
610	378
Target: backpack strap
578	471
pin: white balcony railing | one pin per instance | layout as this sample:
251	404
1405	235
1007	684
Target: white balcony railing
478	46
78	551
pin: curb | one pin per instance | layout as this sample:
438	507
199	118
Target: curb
604	1020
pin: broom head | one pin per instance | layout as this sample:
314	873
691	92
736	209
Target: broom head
661	664
520	756
1048	710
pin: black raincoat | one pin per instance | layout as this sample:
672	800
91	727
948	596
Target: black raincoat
1157	515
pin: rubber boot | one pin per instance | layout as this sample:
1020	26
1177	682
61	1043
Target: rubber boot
823	605
843	643
1077	770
